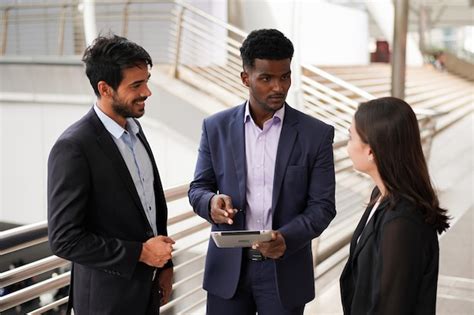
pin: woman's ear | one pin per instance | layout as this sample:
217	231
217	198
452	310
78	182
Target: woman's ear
370	156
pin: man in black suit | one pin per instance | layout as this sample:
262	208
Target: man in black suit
106	207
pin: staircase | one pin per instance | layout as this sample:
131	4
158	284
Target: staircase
426	88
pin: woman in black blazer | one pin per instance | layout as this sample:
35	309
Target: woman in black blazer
394	253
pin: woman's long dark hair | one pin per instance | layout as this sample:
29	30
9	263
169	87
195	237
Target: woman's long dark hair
390	127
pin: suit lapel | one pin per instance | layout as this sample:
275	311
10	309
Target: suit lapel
237	135
285	148
365	234
358	230
160	199
142	138
110	149
365	231
145	143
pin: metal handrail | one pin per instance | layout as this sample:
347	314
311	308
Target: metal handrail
189	231
336	107
50	306
56	282
30	270
212	18
192	245
188	309
23	236
36	233
332	107
190	261
172	303
338	81
52	4
176	192
339	144
33	291
351	104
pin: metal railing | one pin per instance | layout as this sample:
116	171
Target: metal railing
57	28
207	49
337	105
61	20
460	66
22	237
32	234
194	44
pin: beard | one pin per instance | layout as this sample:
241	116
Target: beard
126	110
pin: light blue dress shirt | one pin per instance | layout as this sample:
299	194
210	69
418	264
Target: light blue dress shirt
138	162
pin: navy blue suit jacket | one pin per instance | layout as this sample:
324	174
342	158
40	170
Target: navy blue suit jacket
302	202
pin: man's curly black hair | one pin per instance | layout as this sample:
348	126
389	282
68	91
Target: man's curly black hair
268	44
108	56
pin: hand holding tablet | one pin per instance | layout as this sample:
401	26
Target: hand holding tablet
241	238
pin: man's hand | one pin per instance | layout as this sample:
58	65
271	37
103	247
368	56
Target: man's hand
275	248
166	284
156	251
222	210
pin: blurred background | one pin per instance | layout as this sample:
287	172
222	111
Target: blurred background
346	52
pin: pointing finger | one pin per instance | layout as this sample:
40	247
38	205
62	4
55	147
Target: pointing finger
228	203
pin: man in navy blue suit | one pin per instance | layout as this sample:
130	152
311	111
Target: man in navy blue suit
263	165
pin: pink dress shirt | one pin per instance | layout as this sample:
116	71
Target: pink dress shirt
260	152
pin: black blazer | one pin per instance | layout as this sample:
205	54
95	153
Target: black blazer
96	220
393	269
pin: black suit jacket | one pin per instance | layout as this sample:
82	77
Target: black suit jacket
393	269
96	220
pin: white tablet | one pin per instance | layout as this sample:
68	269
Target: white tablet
243	238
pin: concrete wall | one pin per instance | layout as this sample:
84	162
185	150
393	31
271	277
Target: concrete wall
323	33
38	101
27	133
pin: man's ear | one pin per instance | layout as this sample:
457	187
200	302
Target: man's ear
104	89
244	76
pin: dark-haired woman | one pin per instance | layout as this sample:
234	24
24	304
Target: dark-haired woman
394	253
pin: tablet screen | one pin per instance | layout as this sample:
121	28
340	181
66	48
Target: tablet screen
243	238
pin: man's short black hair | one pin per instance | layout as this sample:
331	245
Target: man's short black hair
108	56
268	44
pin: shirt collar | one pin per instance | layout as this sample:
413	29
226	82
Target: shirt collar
279	114
112	127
